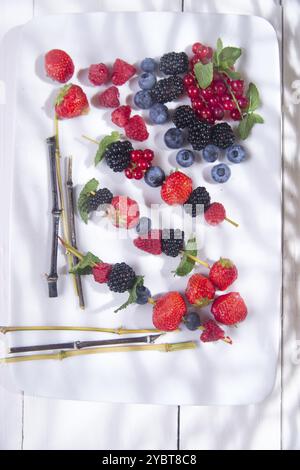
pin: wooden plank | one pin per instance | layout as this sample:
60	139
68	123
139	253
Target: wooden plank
57	424
291	178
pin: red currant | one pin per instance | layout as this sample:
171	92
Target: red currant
148	155
206	114
137	174
128	173
243	102
197	47
207	93
203	52
193	92
219	88
197	104
136	155
218	113
188	80
235	115
228	105
237	86
142	164
213	101
209	53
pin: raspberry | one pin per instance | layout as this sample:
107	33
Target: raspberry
121	115
215	213
212	332
136	129
117	155
101	272
172	242
198	198
149	242
183	116
168	311
199	134
102	197
167	89
122	72
174	63
222	135
98	74
110	97
121	277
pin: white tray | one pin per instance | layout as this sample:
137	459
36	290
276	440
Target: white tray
214	373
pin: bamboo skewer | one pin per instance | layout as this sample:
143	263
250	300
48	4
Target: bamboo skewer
52	277
116	331
72	229
164	347
85	344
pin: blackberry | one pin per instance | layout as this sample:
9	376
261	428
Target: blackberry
199	134
102	196
222	135
117	155
199	196
121	277
172	242
167	89
173	63
183	116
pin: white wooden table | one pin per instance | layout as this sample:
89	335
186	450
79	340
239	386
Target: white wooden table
36	423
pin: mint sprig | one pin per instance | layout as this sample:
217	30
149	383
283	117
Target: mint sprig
139	281
225	58
250	118
186	264
90	187
85	266
104	143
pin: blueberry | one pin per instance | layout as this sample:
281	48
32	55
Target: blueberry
147	80
211	153
144	226
174	138
159	113
185	158
192	321
155	176
143	100
143	294
236	153
220	173
148	65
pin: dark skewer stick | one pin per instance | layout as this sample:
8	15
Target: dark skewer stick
85	344
56	213
72	229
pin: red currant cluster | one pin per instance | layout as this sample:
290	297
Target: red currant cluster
223	99
140	163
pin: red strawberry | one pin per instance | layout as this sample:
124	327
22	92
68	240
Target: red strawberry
110	97
59	65
122	72
212	332
168	311
98	74
200	290
229	309
121	115
150	242
223	273
71	102
123	212
136	129
215	213
176	188
101	272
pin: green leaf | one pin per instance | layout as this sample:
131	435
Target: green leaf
104	143
91	186
186	264
245	126
231	73
86	264
229	56
217	52
219	46
253	97
258	118
204	74
139	281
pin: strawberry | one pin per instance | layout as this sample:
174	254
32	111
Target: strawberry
121	115
176	188
123	212
168	311
110	97
229	309
101	272
136	129
150	242
223	273
199	291
215	213
71	102
98	74
122	72
59	65
212	332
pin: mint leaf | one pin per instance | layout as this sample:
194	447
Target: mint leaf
219	46
186	264
231	73
104	143
86	264
253	97
258	118
139	281
204	74
245	126
91	186
217	52
229	55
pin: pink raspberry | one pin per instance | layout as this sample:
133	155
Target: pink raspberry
110	97
122	72
98	74
101	272
121	115
136	129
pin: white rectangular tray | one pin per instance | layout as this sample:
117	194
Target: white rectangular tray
213	373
